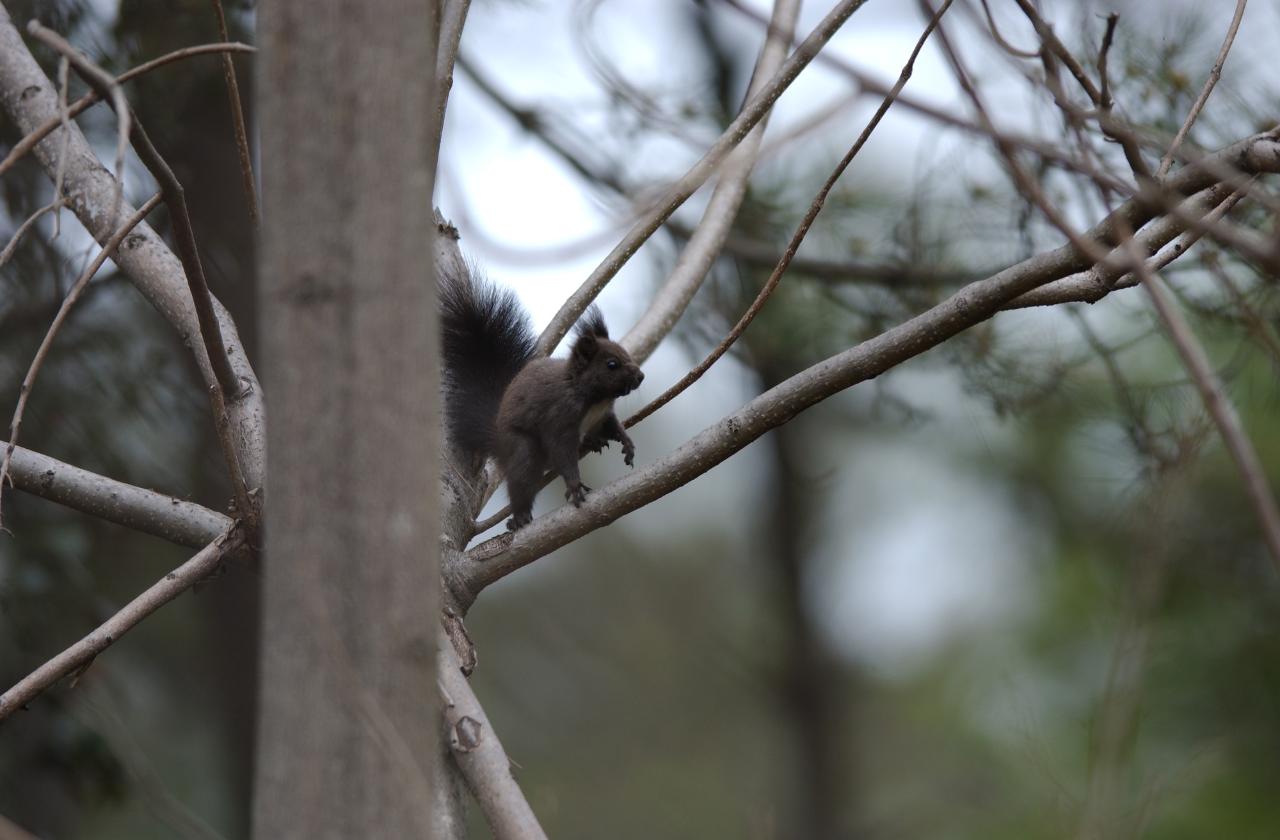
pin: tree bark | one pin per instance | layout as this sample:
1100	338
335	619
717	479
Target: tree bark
348	742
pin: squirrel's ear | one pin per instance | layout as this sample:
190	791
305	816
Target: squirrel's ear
584	350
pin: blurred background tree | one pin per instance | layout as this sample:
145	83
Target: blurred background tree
1011	589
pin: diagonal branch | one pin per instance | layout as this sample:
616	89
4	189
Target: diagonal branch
1214	74
797	238
82	653
35	135
494	559
174	199
696	176
237	117
1217	403
708	238
158	514
479	755
227	385
29	101
42	352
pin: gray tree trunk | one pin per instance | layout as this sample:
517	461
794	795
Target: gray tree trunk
348	742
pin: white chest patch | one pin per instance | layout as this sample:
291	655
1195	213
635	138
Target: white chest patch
595	413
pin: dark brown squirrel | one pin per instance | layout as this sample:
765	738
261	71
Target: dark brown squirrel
531	414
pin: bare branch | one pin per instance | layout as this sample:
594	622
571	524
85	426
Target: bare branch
227	384
1104	82
453	16
82	653
14	240
1113	273
1218	404
237	118
30	102
480	757
77	289
174	199
158	514
708	239
1214	75
491	560
796	238
27	143
696	176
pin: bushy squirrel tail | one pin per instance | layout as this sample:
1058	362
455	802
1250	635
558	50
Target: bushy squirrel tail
487	340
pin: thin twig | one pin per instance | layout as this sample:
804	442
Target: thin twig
12	245
1219	406
1214	75
237	119
796	238
696	176
31	140
24	392
82	653
1104	83
706	242
1000	39
1262	333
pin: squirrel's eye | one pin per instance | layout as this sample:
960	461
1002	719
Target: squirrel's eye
612	364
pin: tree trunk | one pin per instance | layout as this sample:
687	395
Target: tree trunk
349	720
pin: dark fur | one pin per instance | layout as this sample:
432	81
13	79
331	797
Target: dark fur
487	340
551	411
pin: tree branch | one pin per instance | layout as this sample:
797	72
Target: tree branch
815	207
30	101
487	562
82	653
42	352
479	755
34	136
1214	74
696	176
1218	404
708	238
237	118
158	514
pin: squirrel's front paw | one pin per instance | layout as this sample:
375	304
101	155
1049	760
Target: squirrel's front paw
577	494
628	454
519	520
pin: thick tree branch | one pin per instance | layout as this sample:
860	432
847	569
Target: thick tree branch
30	101
479	755
82	653
158	514
469	573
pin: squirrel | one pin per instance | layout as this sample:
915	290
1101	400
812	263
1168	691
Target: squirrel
531	414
